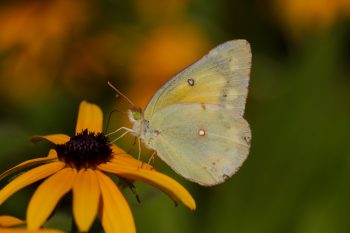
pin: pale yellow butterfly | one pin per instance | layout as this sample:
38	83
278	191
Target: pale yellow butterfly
195	121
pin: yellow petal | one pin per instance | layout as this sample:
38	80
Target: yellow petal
116	214
26	164
9	221
89	117
54	138
47	195
28	178
120	157
86	195
11	230
52	154
117	150
157	179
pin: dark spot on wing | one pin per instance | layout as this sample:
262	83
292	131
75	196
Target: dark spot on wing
190	82
156	132
225	176
247	139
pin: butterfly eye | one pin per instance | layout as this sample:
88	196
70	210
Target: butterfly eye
136	115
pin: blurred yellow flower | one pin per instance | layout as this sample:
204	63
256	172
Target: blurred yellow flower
93	58
302	16
162	54
79	164
7	224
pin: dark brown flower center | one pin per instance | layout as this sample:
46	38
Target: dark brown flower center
85	150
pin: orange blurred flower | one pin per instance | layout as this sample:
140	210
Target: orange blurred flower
93	58
301	16
41	41
164	52
33	36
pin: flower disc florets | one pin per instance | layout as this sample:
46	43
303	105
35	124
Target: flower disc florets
85	150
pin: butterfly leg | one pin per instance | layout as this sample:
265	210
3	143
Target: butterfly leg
133	144
125	133
152	157
139	146
117	130
139	154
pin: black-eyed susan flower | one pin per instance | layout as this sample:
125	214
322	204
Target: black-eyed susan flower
79	164
10	224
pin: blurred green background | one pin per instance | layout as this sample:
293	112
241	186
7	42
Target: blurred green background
53	54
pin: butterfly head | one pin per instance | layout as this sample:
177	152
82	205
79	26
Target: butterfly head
135	114
136	117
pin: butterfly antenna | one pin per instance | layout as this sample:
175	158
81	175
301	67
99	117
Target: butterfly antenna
121	94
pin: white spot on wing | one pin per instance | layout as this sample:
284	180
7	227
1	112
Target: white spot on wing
201	132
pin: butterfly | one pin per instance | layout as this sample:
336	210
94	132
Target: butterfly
195	121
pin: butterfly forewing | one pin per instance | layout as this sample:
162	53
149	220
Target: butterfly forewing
220	77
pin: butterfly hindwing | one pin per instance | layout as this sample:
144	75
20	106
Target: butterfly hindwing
204	143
